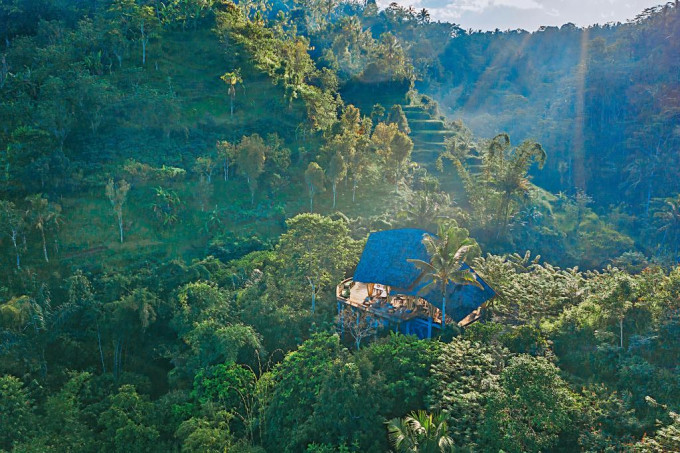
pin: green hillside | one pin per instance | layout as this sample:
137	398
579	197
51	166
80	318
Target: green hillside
189	189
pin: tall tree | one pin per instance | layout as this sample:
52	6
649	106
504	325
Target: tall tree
532	407
129	318
251	157
401	148
668	221
314	178
394	147
226	151
44	215
398	117
337	170
232	79
135	21
13	223
125	424
359	162
16	414
464	375
358	324
506	170
82	311
205	166
148	25
117	195
297	381
314	253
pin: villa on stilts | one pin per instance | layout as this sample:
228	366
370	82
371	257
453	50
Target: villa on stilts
387	292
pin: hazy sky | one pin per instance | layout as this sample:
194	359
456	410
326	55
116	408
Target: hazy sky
527	14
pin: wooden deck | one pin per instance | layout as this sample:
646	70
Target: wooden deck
391	309
396	312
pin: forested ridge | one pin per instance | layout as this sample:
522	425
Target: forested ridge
183	184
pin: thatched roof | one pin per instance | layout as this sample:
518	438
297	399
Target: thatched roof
384	261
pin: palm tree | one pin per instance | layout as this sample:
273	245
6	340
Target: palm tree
44	215
423	16
117	194
668	219
420	432
448	251
506	169
232	79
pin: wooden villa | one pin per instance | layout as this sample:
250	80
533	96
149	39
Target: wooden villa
386	290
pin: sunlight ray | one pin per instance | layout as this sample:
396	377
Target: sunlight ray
578	140
490	74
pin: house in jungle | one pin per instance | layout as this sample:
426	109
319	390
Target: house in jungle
386	288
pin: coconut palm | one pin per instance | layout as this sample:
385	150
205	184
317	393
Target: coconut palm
232	79
43	215
668	220
506	169
420	432
117	195
448	251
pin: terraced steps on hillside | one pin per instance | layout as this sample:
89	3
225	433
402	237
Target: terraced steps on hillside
412	108
413	115
422	152
429	125
426	158
430	136
426	144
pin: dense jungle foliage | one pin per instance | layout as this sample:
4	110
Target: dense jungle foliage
183	184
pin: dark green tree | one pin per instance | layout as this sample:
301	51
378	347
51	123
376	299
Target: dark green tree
531	410
420	432
16	414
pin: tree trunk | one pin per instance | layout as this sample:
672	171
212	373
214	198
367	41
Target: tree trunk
649	196
42	234
144	41
503	216
358	331
334	191
43	365
354	191
120	225
101	351
621	331
117	358
443	306
313	295
16	248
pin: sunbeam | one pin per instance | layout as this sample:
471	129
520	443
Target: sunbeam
578	140
490	74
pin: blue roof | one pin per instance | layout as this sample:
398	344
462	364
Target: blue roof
385	261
